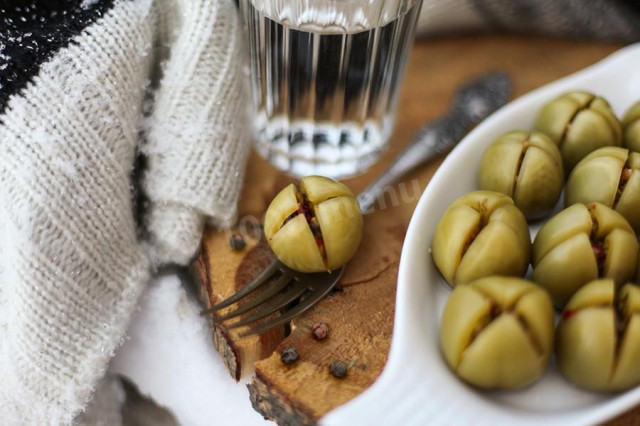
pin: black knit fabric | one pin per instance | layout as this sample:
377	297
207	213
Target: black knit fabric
31	31
615	20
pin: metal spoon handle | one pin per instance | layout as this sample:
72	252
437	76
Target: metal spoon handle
473	102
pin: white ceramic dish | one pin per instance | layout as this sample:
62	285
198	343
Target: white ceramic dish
416	387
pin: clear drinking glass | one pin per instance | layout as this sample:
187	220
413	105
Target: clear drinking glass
325	76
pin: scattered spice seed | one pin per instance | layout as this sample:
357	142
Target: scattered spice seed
598	250
289	355
237	242
338	369
600	254
320	330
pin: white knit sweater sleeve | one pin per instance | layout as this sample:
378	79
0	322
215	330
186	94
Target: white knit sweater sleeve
71	269
71	265
197	142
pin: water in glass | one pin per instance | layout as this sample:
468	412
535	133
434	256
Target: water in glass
325	76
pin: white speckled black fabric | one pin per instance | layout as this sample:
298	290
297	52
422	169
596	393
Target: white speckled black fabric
596	19
33	31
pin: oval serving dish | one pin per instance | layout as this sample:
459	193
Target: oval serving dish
416	387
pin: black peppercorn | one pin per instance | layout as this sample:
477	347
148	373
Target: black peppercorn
338	369
289	355
320	330
237	242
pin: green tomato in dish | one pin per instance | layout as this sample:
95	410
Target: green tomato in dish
610	176
497	332
580	244
631	127
598	337
579	122
527	166
482	233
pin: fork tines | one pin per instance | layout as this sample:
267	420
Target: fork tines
285	287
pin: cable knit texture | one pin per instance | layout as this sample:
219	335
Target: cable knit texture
71	266
196	137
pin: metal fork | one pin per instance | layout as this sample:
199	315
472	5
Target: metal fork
472	103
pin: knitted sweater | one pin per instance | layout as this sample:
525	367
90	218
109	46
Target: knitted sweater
104	103
79	85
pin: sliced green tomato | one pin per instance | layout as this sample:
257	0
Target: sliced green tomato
563	256
537	308
468	224
634	160
497	250
340	223
579	122
607	220
282	206
502	356
632	115
630	294
627	369
320	188
621	154
595	293
590	349
627	373
588	131
595	179
296	247
465	311
585	347
512	217
525	299
602	107
629	201
632	135
569	222
540	181
484	202
455	230
497	332
503	291
499	165
622	254
289	230
553	117
568	267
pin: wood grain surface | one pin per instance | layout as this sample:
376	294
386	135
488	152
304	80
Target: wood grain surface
436	68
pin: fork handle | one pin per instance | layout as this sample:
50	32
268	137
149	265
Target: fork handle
434	139
472	103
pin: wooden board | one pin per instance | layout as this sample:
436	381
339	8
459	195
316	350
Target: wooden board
361	315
